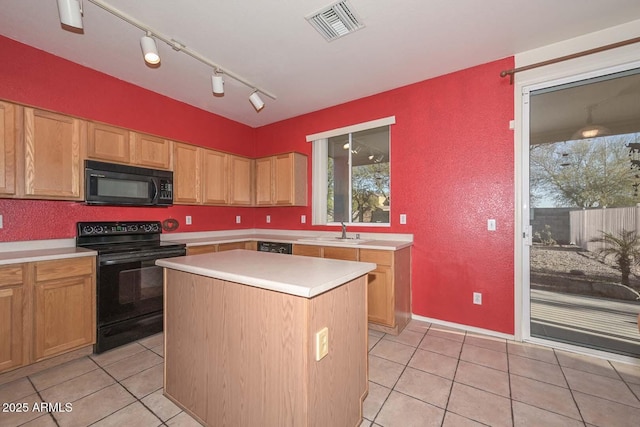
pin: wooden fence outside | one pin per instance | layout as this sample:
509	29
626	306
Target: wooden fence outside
587	224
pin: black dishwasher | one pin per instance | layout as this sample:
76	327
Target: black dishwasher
276	247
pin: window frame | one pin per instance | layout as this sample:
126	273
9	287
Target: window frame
319	159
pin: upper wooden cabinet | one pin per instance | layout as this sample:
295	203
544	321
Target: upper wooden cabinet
114	144
186	174
7	149
240	180
215	181
203	176
53	146
108	143
282	180
150	151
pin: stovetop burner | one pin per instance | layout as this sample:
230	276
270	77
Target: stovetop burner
122	237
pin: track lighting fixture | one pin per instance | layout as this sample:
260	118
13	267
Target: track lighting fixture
70	13
258	104
149	49
71	16
217	83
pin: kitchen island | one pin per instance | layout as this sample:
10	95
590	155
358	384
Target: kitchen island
242	333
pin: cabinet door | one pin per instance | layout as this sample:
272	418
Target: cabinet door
264	167
53	162
108	143
64	315
7	149
240	188
290	179
186	174
151	151
283	179
12	317
380	296
215	178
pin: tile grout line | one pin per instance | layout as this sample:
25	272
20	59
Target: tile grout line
569	387
42	400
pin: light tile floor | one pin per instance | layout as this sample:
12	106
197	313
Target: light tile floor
429	375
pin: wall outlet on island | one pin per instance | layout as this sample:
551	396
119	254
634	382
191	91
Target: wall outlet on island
322	343
477	298
238	219
187	220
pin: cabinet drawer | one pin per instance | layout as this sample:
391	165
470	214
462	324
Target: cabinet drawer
49	270
376	256
347	254
11	275
202	249
307	250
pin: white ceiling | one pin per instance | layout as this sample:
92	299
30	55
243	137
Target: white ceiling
270	43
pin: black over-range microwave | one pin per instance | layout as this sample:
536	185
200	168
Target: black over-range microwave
113	184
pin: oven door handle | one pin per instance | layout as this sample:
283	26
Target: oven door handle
127	258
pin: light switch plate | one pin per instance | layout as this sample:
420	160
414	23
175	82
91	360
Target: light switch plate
322	343
477	298
403	218
491	224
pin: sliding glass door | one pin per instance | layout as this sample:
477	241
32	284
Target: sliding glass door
584	213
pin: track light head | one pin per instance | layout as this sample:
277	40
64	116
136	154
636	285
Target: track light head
258	104
217	83
149	49
70	13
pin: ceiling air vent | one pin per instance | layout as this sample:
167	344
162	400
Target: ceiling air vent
335	21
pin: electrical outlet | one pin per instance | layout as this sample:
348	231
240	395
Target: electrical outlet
491	224
403	218
322	343
477	298
187	220
238	219
303	219
268	219
1	224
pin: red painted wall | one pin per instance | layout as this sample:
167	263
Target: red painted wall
452	169
34	77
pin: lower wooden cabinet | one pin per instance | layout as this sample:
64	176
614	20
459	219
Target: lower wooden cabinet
389	285
12	317
46	308
64	306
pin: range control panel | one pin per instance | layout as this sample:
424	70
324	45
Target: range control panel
111	228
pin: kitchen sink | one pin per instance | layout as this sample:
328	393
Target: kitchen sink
332	239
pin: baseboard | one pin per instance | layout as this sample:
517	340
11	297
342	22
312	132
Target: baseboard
464	327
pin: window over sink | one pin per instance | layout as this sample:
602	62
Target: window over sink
352	174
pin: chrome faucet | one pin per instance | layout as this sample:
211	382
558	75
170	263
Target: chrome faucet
344	231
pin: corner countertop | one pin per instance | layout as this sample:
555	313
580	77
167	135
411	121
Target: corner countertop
295	275
380	241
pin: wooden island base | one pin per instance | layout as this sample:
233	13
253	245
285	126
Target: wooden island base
237	355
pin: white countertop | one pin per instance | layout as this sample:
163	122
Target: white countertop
291	274
33	255
372	241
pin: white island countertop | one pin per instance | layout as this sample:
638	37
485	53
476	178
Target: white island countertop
295	275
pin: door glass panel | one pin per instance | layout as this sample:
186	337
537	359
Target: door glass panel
584	179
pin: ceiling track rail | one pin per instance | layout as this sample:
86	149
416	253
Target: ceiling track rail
513	71
176	45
